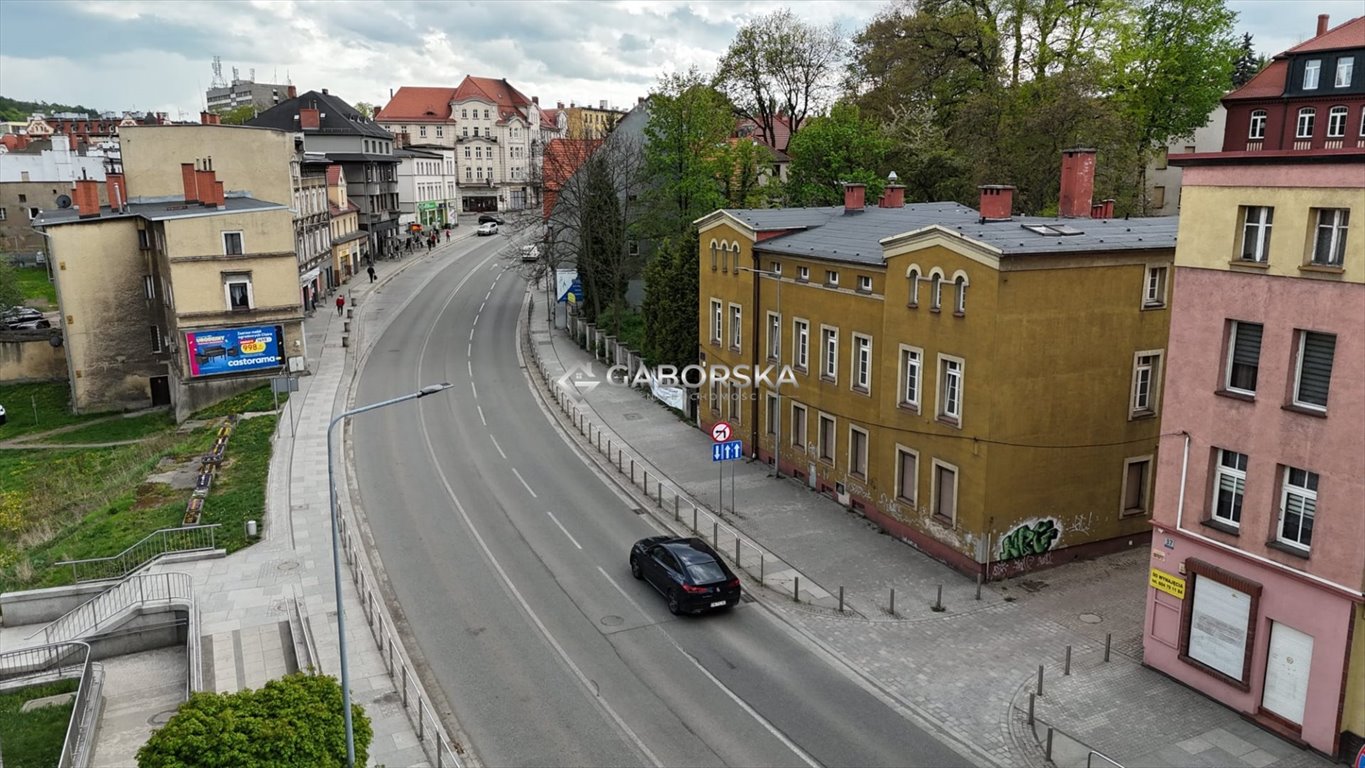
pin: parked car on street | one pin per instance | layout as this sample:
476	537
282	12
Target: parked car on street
687	572
37	323
20	314
488	217
487	228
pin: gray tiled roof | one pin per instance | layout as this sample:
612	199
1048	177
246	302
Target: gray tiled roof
337	117
174	209
830	233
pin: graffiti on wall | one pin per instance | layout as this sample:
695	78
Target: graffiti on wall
1030	538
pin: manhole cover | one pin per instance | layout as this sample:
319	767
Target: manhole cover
1090	618
631	416
161	718
1031	585
288	565
612	621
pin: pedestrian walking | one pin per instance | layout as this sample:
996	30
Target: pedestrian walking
447	235
372	274
341	303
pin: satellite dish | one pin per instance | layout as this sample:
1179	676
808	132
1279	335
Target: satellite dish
63	201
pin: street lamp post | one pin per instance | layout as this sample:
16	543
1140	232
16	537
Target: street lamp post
777	393
430	389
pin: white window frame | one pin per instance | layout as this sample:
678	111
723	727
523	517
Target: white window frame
156	340
832	278
1234	333
1336	122
777	268
803	274
1236	478
821	419
1346	65
774	336
736	326
861	378
1146	506
952	376
241	242
912	278
854	460
1258	222
734	257
935	291
1301	343
1339	224
935	491
960	284
715	396
1256	130
1306	123
717	318
799	425
829	353
865	283
801	344
1146	365
901	484
772	413
911	358
1312	74
715	256
1154	286
149	286
1308	499
232	278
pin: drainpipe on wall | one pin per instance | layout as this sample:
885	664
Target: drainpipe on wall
1179	526
753	355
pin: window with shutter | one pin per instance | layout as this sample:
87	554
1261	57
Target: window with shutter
1244	355
907	477
1316	351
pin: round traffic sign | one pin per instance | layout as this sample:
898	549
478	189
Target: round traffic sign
720	432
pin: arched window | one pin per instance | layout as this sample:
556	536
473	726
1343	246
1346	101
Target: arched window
960	307
1336	123
713	256
734	255
1305	124
912	277
1257	124
936	291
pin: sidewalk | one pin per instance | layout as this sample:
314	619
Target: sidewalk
966	669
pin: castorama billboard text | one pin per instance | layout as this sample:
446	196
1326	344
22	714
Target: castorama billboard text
234	350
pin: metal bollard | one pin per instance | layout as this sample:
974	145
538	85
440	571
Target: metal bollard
609	448
1066	670
661	495
632	470
1108	637
694	518
405	687
715	533
796	589
1047	752
893	601
646	483
978	586
618	462
938	601
1040	679
421	729
841	599
762	561
737	565
1031	699
675	507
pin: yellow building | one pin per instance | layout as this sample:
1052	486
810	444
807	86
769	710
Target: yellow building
586	122
350	247
983	385
177	296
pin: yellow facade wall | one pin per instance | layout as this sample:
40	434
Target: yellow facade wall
245	159
1353	707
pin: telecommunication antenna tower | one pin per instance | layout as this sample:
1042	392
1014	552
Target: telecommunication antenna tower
218	81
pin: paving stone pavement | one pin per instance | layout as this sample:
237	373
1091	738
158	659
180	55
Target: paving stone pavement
967	668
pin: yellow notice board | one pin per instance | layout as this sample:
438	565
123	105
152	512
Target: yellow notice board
1171	585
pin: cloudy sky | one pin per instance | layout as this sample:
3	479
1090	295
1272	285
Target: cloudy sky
157	54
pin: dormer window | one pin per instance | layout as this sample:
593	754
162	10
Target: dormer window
1311	70
1345	69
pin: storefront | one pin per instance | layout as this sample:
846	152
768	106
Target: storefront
472	202
432	214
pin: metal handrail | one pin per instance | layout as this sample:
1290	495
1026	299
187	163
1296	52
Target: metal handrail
1096	753
134	591
55	661
189	538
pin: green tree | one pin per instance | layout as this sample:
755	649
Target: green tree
1172	64
237	115
293	721
836	148
685	146
1248	64
10	293
670	305
743	164
366	108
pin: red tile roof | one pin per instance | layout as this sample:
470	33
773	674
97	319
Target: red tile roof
499	92
334	175
1268	83
549	118
782	131
418	104
1351	34
562	159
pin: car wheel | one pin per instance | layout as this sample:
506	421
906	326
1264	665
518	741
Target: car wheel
673	606
635	568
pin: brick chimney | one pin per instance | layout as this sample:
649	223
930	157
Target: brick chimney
208	118
1103	209
893	197
997	202
561	105
309	119
117	188
1323	20
204	181
292	92
219	196
1078	183
189	177
854	192
87	198
535	100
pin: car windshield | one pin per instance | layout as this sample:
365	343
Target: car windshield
705	573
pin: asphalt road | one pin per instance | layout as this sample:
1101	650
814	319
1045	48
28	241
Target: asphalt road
508	555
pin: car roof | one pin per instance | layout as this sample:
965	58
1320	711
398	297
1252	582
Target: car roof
690	551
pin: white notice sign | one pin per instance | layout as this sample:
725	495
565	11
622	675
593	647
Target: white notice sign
1218	626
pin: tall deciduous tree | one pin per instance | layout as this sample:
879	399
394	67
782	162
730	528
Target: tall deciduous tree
1172	64
780	67
686	143
835	148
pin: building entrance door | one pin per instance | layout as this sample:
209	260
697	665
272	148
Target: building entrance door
161	390
1286	672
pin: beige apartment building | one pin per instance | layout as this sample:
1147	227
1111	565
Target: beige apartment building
183	290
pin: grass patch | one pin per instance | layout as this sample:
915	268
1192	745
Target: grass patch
256	400
118	429
238	493
34	739
53	401
36	289
632	326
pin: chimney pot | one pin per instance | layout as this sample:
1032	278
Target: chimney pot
204	183
309	118
854	193
324	91
1078	183
535	100
190	180
997	202
1323	20
219	196
117	188
88	198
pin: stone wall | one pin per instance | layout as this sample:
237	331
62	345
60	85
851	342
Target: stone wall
28	356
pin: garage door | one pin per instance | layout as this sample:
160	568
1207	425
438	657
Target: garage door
1286	672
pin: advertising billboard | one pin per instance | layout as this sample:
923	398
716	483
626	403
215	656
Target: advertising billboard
234	350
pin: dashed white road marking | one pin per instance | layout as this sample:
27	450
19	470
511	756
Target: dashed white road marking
484	302
562	528
469	350
474	324
470	364
474	387
524	483
471	335
481	418
499	447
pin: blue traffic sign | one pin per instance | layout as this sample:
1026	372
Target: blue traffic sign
727	451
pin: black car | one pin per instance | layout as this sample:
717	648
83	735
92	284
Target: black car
488	217
687	572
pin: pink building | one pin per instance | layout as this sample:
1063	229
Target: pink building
1258	550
